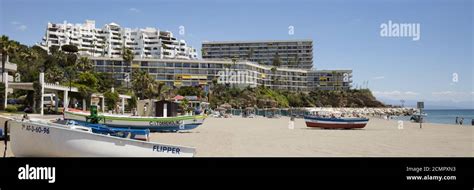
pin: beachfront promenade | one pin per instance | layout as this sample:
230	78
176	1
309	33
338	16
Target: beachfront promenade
242	137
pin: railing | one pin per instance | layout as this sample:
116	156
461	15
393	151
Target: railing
59	87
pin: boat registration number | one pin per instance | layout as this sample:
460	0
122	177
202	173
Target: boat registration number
35	129
165	123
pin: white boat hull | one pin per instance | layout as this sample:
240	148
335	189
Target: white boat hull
33	139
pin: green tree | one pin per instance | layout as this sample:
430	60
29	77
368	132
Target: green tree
84	64
128	56
104	81
132	102
87	84
276	62
54	74
143	84
111	99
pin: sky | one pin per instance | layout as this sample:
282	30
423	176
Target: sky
438	68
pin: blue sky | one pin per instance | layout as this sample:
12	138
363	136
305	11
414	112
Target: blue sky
346	34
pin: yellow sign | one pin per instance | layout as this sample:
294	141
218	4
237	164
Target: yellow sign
135	64
193	77
178	83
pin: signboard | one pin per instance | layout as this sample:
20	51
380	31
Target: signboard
193	76
135	65
420	105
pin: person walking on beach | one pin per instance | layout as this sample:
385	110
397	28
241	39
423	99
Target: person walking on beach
461	121
145	109
457	120
291	124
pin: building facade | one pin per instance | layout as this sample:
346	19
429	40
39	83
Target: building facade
10	69
174	72
329	79
112	38
291	53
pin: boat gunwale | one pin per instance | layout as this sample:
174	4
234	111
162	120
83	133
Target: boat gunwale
64	127
138	118
337	119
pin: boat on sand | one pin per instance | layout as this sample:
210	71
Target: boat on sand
334	120
38	138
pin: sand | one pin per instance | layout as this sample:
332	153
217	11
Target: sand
263	137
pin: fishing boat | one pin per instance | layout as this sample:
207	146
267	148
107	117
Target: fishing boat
334	121
37	138
139	122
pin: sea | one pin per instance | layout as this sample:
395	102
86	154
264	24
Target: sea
446	116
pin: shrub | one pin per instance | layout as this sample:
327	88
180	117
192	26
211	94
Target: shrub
11	109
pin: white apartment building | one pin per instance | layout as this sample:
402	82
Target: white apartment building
202	72
292	53
109	41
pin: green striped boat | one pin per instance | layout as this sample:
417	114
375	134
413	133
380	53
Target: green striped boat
139	122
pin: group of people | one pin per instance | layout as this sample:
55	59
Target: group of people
459	120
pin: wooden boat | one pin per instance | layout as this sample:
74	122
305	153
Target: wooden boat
138	122
46	139
334	122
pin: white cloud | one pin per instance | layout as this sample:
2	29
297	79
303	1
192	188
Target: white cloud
453	96
378	77
134	10
22	27
19	25
396	94
443	93
411	93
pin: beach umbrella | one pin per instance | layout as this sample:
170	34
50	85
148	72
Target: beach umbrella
178	97
226	106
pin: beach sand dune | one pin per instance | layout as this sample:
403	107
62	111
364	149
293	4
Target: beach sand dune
262	137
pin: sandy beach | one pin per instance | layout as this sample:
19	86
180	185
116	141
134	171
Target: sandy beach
263	137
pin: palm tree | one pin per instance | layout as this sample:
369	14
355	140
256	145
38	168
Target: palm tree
234	63
29	55
7	47
70	61
250	54
143	84
84	64
128	56
162	89
274	69
297	61
276	60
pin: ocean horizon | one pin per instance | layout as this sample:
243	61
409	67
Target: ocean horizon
446	116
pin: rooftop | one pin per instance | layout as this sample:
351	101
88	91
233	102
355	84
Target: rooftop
257	41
